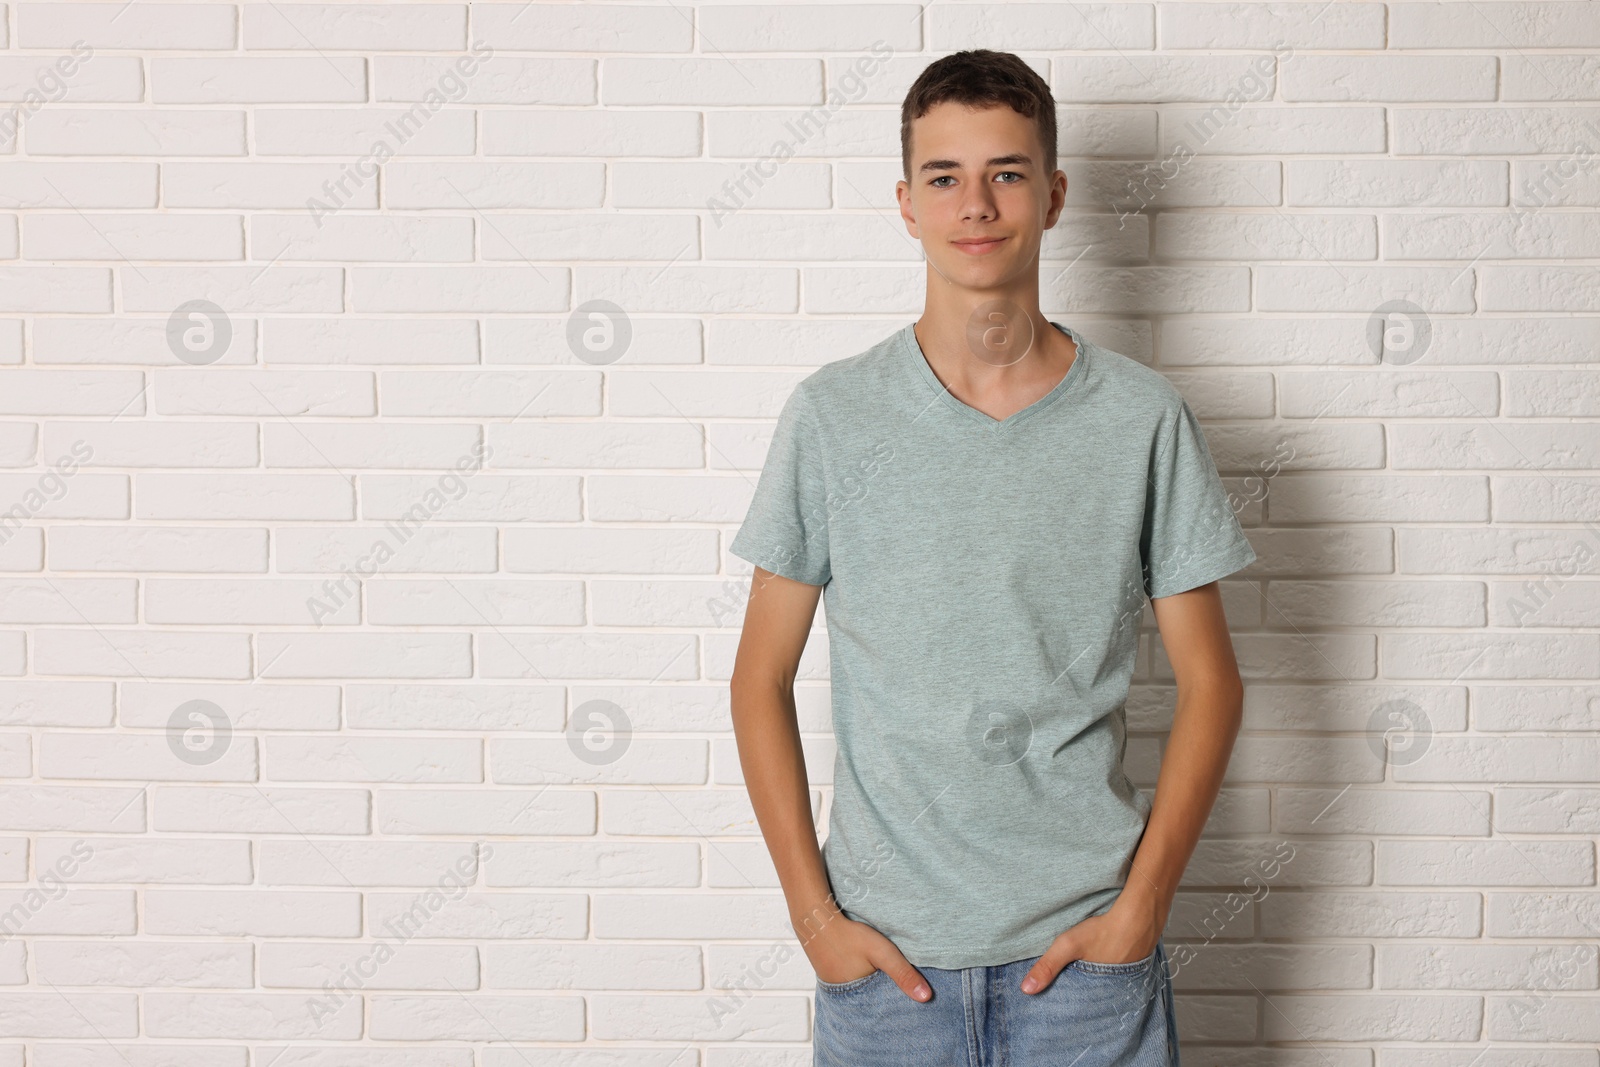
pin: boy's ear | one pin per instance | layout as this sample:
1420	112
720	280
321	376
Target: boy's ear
904	203
1054	211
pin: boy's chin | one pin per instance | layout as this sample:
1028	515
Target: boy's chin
980	277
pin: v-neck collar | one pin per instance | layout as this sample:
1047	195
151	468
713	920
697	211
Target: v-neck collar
912	349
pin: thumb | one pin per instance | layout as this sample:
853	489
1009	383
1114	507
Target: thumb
899	969
1061	952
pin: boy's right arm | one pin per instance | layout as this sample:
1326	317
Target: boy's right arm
777	622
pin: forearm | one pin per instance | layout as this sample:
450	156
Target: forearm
1205	723
768	735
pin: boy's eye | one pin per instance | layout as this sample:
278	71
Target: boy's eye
946	177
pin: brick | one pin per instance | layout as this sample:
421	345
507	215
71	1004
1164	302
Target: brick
454	707
1543	1018
356	1056
483	811
252	913
1257	26
1547	810
1503	25
91	1015
1373	914
45	807
1398	812
518	916
246	1015
252	706
364	966
435	27
145	757
689	1018
1542	914
56	703
558	28
375	863
1267	968
134	965
1382	1018
374	759
1541	968
520	966
159	26
345	341
550	865
483	1018
1496	863
244	496
255	810
105	1054
72	912
218	861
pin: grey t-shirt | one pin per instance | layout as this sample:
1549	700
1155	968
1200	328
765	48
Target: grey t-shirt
983	583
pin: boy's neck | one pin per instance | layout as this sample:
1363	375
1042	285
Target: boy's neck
980	364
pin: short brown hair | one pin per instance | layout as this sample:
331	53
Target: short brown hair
981	78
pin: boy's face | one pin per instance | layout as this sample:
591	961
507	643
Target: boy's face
978	173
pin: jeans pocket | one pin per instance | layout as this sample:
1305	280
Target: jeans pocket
1113	969
848	987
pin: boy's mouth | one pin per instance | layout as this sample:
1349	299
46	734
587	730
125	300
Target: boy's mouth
977	246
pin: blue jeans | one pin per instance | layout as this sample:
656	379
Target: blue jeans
1092	1015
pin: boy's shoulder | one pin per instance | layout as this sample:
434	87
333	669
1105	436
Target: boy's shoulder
1131	381
844	378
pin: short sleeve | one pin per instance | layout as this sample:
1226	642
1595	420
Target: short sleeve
1191	535
786	529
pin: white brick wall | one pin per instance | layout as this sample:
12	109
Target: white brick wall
364	642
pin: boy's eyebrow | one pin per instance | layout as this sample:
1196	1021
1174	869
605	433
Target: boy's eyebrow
1016	159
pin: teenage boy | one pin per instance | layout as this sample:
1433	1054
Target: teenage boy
986	498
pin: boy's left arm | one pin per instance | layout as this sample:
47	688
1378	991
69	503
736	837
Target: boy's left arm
1210	703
